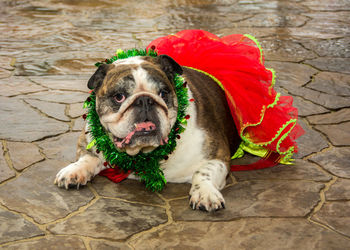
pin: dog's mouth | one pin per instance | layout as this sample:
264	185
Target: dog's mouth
141	129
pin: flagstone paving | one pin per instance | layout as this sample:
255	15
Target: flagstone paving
48	51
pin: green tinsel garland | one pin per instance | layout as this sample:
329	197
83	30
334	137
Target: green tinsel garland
144	165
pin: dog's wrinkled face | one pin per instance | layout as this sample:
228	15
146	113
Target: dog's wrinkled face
136	101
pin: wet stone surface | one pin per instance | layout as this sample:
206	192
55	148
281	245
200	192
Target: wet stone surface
340	190
15	227
257	199
5	171
23	154
335	160
248	233
121	219
335	215
339	116
338	134
34	194
18	116
48	52
50	242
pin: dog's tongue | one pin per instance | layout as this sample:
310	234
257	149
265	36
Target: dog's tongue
139	127
145	126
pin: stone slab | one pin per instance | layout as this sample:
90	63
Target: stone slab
291	74
325	100
336	160
79	124
34	193
340	65
63	82
23	154
306	108
112	219
338	134
274	20
176	190
16	85
266	198
58	96
49	243
335	214
5	172
14	227
62	147
323	5
310	142
258	233
286	50
76	110
340	190
330	24
18	116
330	47
301	170
7	62
339	116
331	83
108	245
131	190
53	110
5	73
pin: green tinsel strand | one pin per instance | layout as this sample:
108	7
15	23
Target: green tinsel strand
146	166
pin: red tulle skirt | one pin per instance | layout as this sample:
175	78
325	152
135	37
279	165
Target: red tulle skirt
262	117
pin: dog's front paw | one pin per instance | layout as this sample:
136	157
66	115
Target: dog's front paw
205	196
74	174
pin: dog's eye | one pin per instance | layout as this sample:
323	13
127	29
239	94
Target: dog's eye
163	94
119	98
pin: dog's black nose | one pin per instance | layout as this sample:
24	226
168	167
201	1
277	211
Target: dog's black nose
144	102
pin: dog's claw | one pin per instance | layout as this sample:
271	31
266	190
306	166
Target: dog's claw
223	205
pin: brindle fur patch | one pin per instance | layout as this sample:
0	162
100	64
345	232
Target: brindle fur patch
222	138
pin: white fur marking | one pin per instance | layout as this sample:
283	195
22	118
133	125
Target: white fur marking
183	162
131	60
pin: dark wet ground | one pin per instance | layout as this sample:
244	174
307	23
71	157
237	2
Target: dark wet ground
47	52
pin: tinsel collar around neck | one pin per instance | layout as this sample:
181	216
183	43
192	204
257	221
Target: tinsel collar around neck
144	165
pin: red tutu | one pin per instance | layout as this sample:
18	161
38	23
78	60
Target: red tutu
264	119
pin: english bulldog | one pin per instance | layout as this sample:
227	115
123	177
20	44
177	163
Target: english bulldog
138	92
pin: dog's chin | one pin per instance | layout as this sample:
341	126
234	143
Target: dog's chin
137	144
135	150
145	145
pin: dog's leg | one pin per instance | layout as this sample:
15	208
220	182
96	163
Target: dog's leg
80	172
206	183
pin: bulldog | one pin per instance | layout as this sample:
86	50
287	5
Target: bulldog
137	106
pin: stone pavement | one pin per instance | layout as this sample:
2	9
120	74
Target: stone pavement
47	52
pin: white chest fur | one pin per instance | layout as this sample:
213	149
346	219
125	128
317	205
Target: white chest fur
188	155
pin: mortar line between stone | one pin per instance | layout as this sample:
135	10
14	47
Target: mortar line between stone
7	156
155	228
23	240
133	202
320	205
25	217
323	196
328	228
44	114
86	241
74	213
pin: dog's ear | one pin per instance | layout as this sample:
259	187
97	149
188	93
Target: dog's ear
96	79
169	66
